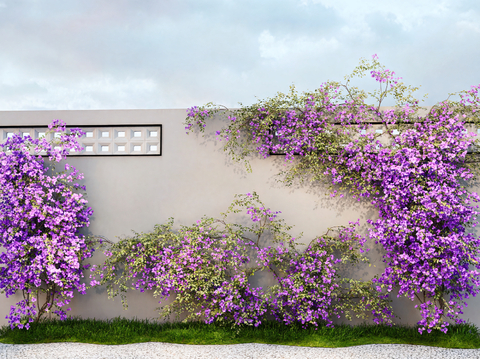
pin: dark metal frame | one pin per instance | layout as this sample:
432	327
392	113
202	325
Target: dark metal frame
113	125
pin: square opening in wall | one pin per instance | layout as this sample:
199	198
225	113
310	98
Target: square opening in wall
88	148
121	133
105	134
137	148
57	135
121	148
89	134
9	135
137	133
104	148
153	148
25	134
153	134
41	134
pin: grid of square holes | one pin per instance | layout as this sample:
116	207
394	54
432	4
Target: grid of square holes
104	141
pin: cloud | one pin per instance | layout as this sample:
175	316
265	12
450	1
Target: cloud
95	92
469	21
407	13
270	47
163	54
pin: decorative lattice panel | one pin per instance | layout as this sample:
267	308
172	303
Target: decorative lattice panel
121	140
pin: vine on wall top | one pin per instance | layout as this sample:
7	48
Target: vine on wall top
414	168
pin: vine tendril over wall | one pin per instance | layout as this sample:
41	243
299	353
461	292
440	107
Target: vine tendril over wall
414	168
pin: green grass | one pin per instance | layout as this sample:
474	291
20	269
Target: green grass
124	331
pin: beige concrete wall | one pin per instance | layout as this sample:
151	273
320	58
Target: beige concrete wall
193	177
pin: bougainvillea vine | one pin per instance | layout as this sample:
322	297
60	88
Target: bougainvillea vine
412	163
40	215
205	270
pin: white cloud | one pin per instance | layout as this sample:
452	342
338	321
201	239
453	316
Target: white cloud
407	13
95	92
469	25
271	47
469	21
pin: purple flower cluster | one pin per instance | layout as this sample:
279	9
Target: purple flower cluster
40	215
205	269
200	114
414	169
424	213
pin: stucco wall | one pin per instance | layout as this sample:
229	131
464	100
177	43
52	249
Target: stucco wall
193	177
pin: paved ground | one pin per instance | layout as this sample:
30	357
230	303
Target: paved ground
238	351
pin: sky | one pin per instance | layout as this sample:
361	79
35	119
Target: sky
159	54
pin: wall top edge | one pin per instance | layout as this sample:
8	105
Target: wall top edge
94	110
92	117
141	109
100	117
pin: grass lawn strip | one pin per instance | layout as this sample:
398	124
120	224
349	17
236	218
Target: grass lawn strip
126	331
